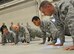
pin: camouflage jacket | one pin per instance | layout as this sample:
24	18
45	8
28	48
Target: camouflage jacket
66	14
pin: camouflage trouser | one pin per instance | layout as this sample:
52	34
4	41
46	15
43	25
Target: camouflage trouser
60	35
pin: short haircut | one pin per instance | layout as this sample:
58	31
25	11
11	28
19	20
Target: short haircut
43	3
35	18
5	28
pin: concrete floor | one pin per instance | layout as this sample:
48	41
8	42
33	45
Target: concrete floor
35	48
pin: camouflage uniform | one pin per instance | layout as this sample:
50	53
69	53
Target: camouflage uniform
45	27
66	11
54	27
21	33
31	32
8	37
27	35
57	29
69	20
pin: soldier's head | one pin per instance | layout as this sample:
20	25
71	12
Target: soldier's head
5	31
36	20
11	23
16	28
46	8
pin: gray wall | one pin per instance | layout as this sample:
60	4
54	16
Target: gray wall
22	13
